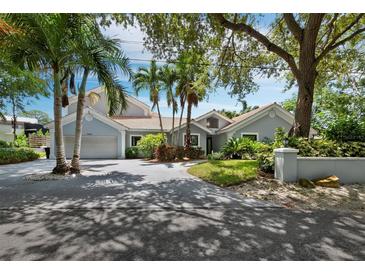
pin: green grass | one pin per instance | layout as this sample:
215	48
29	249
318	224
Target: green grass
225	172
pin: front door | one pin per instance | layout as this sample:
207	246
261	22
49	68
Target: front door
209	145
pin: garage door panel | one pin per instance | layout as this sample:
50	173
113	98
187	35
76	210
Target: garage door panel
93	147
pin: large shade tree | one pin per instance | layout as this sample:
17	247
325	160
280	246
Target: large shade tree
308	50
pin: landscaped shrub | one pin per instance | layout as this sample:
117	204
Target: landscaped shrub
216	156
243	148
148	144
346	129
4	144
132	153
180	153
194	152
165	153
17	155
21	141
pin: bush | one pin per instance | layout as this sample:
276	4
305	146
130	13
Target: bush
4	144
193	152
216	156
346	129
149	143
165	153
242	148
17	155
168	153
21	141
132	153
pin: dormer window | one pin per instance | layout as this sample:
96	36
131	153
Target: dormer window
212	122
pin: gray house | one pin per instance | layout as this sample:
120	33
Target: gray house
108	137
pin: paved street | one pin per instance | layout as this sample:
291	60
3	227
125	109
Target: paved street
135	210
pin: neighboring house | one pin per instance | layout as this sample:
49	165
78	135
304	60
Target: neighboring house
108	137
24	125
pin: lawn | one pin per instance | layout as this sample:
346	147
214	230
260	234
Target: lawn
225	172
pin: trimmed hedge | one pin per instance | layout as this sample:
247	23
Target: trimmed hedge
17	155
132	153
168	153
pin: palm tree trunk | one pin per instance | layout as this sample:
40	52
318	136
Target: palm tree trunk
159	115
187	133
75	163
173	123
61	164
181	115
14	116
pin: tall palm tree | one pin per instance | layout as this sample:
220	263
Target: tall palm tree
46	41
191	88
148	78
168	78
102	57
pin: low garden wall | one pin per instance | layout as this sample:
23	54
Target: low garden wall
289	167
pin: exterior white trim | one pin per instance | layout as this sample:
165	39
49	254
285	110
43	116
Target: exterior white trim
211	113
130	138
287	116
192	133
251	133
195	124
72	117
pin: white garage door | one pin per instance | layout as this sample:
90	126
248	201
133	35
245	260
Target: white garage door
93	147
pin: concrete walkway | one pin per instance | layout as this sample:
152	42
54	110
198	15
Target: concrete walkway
136	210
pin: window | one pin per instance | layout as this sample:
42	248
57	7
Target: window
135	139
212	122
252	136
195	142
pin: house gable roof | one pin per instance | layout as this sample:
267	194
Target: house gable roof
251	116
211	113
88	110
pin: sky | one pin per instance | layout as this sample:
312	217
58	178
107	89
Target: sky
270	90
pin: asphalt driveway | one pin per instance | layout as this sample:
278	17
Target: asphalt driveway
136	210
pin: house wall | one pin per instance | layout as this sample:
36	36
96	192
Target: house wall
218	141
6	132
196	130
265	127
101	106
133	110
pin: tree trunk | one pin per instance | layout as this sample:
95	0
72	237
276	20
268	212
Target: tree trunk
75	163
173	123
181	115
187	133
14	116
159	116
61	164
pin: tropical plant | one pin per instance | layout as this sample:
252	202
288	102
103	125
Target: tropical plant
191	87
148	79
169	77
98	56
149	143
47	41
41	116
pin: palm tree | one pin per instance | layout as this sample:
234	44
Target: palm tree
46	41
102	57
191	88
168	78
148	78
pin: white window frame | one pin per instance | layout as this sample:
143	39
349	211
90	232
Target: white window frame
251	133
130	138
183	140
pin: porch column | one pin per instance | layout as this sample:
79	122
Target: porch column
123	143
